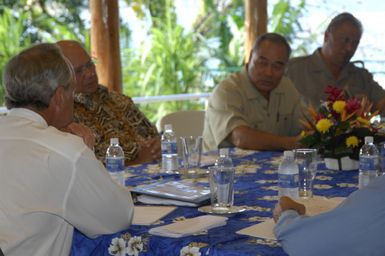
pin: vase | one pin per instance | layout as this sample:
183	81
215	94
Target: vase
341	164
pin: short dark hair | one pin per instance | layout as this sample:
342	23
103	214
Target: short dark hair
342	18
272	37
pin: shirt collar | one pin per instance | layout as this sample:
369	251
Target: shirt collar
28	114
319	65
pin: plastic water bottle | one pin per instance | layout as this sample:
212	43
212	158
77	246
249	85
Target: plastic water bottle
288	178
369	163
224	180
115	161
169	150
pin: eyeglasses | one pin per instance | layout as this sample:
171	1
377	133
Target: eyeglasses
90	64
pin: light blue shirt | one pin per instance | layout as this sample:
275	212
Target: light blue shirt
356	227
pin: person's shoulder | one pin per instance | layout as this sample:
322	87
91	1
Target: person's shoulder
120	97
289	88
299	61
358	66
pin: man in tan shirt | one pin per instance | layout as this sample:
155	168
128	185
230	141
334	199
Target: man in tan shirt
256	108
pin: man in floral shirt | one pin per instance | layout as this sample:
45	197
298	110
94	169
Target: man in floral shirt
109	114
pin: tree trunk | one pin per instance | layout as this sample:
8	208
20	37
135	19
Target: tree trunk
255	23
105	42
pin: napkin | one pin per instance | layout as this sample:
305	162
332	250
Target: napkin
147	215
189	226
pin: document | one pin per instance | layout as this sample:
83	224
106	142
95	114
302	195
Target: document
314	206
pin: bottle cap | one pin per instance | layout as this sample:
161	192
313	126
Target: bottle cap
288	153
168	127
114	140
368	139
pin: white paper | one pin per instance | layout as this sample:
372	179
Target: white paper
189	226
147	215
314	206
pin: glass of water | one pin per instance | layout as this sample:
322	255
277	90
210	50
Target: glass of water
307	161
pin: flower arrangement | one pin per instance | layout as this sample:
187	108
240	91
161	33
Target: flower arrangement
339	126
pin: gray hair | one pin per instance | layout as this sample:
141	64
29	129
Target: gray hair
31	77
342	18
272	37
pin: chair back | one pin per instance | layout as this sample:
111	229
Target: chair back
184	122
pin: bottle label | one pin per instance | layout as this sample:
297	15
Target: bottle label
288	180
169	148
115	164
368	163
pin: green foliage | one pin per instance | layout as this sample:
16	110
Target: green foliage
170	64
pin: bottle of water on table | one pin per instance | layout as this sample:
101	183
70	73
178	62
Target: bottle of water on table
369	163
288	178
169	150
115	161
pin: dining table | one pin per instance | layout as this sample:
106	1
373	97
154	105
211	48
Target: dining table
255	190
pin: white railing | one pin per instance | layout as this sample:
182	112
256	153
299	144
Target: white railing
171	97
149	99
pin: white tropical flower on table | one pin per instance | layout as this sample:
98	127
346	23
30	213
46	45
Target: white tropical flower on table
190	251
134	246
117	247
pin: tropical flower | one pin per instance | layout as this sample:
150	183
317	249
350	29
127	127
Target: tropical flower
190	251
117	247
134	246
338	127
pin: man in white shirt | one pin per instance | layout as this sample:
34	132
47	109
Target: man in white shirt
50	181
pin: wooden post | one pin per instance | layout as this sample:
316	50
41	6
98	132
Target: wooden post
105	42
255	23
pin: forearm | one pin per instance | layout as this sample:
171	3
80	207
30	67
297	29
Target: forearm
250	138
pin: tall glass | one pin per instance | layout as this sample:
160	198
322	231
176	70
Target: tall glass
307	161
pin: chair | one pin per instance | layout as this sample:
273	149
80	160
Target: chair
184	122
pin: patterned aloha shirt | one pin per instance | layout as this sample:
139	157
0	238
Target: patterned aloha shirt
113	115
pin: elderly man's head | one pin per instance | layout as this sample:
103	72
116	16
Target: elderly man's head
42	79
86	77
267	62
341	39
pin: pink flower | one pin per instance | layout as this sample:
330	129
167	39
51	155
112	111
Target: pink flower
352	105
334	93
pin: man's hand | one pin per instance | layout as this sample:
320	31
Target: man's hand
82	131
286	203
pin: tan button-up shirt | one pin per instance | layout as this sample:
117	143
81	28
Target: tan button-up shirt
236	101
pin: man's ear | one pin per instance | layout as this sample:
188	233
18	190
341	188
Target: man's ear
57	98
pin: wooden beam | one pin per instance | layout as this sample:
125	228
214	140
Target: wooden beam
255	23
105	42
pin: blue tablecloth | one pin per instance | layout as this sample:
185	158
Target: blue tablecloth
255	186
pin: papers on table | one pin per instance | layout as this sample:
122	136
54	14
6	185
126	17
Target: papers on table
314	206
189	226
147	215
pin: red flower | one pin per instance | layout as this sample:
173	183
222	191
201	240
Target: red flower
352	105
334	93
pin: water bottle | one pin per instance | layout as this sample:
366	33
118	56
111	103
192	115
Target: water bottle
224	180
288	177
369	163
115	161
169	150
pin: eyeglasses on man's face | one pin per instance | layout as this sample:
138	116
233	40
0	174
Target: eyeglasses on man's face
80	70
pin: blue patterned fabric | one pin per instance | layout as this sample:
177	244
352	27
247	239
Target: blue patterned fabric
255	186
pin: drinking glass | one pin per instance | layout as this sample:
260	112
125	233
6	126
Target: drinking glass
307	161
191	152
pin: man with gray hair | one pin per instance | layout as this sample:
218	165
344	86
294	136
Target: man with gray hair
51	181
330	65
257	108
